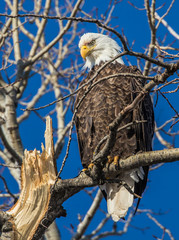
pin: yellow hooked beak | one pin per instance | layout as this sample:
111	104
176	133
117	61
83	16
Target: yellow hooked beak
85	50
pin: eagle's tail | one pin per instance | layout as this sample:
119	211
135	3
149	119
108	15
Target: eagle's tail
119	199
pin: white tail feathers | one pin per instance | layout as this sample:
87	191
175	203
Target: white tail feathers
119	199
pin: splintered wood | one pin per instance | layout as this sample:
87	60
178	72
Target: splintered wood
38	175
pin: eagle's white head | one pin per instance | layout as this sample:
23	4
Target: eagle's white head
96	48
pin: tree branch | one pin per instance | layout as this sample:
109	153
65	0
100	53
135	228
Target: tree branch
17	52
64	189
89	216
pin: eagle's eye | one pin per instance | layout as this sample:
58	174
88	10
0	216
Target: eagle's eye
91	43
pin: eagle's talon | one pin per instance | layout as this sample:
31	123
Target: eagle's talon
116	162
110	159
84	170
90	166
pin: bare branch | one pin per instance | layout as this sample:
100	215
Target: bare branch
151	19
161	226
89	216
17	52
170	29
40	30
59	36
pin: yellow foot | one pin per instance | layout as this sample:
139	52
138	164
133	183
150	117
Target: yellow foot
114	160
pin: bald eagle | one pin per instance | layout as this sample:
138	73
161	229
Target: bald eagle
101	106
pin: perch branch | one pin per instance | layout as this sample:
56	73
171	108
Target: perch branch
38	177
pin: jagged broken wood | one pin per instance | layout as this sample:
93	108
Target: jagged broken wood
38	175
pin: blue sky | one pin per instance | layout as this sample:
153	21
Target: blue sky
161	195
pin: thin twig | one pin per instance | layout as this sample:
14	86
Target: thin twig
161	226
7	188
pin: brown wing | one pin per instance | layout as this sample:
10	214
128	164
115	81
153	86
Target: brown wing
102	105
